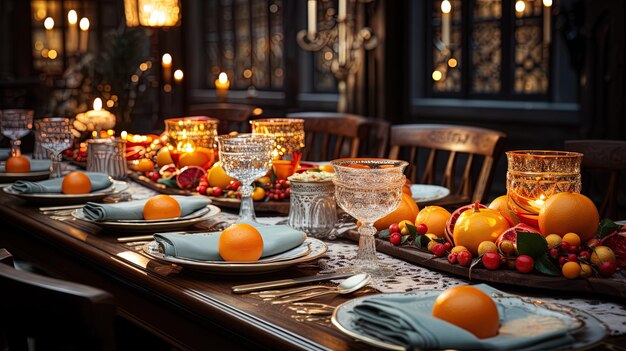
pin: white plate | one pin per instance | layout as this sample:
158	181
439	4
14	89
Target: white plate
586	329
152	226
31	176
622	222
69	199
427	192
316	248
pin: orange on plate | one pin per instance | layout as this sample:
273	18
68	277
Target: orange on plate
17	164
240	242
161	207
563	213
469	308
76	183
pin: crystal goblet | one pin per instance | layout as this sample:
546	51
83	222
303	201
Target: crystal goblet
16	124
368	189
56	136
246	157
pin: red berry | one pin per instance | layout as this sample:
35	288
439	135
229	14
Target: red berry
439	250
155	176
503	260
465	258
281	196
278	186
491	260
574	249
452	258
287	192
593	243
564	246
217	191
554	253
395	238
562	260
584	255
524	263
421	229
393	228
202	189
447	245
572	257
607	268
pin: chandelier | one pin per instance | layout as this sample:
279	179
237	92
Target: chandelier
152	13
347	42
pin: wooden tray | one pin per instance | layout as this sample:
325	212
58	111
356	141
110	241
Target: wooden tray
281	207
605	286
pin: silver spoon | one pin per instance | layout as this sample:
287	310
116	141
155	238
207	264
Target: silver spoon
348	286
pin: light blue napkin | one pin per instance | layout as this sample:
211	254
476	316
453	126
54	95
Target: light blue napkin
134	209
35	166
276	239
408	321
99	181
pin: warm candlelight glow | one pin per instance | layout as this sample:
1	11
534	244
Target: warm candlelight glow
84	24
437	76
48	23
52	54
223	78
97	104
178	75
452	62
547	3
166	60
111	132
520	6
221	86
72	17
124	135
446	7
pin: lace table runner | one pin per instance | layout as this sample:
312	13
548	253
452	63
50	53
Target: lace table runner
410	277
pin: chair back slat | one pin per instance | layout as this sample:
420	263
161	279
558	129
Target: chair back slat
461	144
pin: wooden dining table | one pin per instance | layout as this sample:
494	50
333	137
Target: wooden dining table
188	310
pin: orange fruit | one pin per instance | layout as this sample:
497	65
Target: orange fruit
407	210
17	164
164	157
76	183
435	218
569	212
194	158
501	203
571	270
142	165
572	239
327	168
258	194
210	153
240	242
477	225
218	177
161	207
466	305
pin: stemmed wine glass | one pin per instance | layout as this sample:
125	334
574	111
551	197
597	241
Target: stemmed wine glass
368	189
246	157
55	136
15	125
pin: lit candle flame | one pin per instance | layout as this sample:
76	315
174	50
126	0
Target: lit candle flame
84	24
97	104
48	23
166	59
446	7
72	17
223	78
124	135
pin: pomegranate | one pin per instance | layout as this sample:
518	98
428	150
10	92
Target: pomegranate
507	241
453	218
617	242
478	225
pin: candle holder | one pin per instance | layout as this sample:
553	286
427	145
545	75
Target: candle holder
535	175
288	144
187	133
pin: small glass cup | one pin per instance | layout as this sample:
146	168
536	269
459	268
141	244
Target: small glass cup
107	156
368	190
56	136
246	157
535	175
199	131
312	208
289	142
16	124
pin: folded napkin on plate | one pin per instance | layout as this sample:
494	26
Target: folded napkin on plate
99	181
35	166
134	209
408	321
276	239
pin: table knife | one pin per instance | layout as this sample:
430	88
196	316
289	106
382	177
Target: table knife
242	289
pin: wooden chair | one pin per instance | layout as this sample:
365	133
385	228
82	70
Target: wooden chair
602	158
331	135
465	147
233	117
57	314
